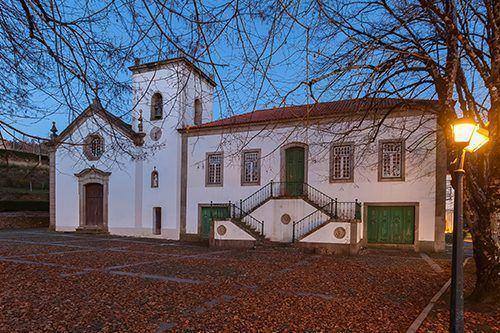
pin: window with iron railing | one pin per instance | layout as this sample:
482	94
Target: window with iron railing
214	169
251	168
391	160
342	163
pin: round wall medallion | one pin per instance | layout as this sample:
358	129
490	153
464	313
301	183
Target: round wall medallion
285	218
155	133
339	232
221	230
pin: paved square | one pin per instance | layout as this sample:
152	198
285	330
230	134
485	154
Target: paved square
84	283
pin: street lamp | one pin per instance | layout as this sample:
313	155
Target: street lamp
469	137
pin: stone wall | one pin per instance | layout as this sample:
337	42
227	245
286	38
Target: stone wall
15	220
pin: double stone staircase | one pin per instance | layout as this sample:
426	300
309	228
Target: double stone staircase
327	209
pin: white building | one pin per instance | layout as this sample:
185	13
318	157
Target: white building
335	175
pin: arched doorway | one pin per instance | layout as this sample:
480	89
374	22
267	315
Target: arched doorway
93	192
295	170
94	205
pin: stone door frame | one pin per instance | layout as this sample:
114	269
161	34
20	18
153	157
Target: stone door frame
88	176
283	150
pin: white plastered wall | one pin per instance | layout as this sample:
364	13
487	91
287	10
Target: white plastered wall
70	160
418	186
325	234
233	232
179	87
272	211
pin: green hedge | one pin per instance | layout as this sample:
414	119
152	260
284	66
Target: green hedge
19	206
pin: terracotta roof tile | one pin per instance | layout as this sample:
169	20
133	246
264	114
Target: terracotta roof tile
318	110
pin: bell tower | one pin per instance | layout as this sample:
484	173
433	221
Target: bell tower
170	94
167	95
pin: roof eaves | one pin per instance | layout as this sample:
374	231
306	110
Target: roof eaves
153	64
126	129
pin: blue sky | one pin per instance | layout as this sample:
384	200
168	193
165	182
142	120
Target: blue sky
242	88
267	72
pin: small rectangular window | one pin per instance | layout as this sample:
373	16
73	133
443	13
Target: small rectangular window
214	169
250	167
391	160
342	163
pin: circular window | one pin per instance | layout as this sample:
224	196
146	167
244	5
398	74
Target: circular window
339	232
285	218
93	147
155	133
221	230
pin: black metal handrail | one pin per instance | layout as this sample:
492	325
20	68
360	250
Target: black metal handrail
270	190
330	206
346	211
250	221
319	198
337	210
256	199
308	223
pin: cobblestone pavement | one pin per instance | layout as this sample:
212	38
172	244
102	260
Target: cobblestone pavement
66	282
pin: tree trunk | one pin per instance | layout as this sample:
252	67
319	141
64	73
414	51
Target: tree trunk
486	255
483	205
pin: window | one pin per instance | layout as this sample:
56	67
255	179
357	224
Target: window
342	163
391	160
198	112
250	171
214	169
93	147
154	179
157	221
157	107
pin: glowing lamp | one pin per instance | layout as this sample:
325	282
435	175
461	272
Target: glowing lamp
463	129
479	138
469	138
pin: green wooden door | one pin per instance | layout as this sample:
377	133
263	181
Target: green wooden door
294	158
210	213
391	224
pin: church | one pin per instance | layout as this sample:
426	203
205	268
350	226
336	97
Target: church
335	176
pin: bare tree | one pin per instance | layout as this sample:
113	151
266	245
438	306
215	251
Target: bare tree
447	49
443	49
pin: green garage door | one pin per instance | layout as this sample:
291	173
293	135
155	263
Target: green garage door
210	213
391	224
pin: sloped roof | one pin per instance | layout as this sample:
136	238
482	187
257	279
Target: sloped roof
96	109
318	110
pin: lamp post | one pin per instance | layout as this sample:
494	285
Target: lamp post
469	138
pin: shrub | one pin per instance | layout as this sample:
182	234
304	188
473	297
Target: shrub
18	206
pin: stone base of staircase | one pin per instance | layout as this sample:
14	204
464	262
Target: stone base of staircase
330	248
232	243
92	230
